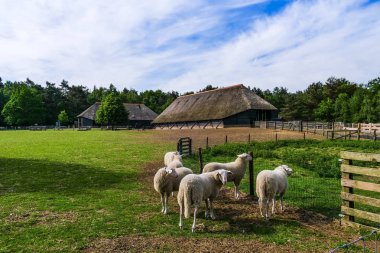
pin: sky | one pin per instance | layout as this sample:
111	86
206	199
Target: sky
185	45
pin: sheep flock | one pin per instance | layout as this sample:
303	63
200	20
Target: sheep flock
193	189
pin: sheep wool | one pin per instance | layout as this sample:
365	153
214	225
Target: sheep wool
194	189
167	180
238	168
169	157
268	184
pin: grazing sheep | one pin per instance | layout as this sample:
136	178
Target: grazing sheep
268	184
169	156
196	188
176	162
237	168
167	180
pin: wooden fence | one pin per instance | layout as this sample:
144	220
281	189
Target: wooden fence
349	198
184	146
332	130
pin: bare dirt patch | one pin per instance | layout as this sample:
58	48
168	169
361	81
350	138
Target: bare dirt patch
218	136
180	244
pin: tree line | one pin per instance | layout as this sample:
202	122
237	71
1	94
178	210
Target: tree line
27	103
337	99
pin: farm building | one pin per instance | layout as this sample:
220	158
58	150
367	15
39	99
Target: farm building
231	106
139	115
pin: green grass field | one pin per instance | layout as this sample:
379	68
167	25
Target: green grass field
63	190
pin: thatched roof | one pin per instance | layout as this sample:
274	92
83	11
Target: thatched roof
136	112
213	105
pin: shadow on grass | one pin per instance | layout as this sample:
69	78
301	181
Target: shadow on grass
28	175
240	224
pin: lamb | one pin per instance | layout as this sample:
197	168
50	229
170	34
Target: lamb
176	162
268	184
195	188
237	168
169	156
167	180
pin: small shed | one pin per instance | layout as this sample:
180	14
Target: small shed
233	106
139	115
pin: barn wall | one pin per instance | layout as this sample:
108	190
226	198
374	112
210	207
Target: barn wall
246	118
85	122
140	123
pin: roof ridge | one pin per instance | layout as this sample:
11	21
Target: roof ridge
222	88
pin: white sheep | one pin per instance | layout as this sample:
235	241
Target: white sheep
268	184
196	188
237	168
176	162
169	156
167	180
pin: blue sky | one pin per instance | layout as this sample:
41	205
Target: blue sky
185	45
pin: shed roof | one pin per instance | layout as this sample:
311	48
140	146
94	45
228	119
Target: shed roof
135	112
213	105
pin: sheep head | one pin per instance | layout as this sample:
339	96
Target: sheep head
287	169
222	175
178	157
245	156
171	172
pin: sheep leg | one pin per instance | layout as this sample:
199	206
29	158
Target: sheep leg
212	210
181	216
166	203
162	202
273	205
237	189
282	203
266	208
195	218
207	213
261	206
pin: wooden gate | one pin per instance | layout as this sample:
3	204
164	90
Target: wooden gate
349	183
184	146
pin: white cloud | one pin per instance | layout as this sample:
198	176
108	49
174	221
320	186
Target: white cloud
309	41
185	45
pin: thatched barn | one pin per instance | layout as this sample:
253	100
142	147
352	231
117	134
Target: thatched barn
231	106
139	115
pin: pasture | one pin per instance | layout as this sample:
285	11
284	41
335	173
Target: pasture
92	191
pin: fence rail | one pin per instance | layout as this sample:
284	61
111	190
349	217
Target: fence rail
332	130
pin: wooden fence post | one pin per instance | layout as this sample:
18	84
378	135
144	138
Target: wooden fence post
251	176
304	136
226	140
350	190
333	130
207	142
276	137
249	138
179	148
374	135
200	160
